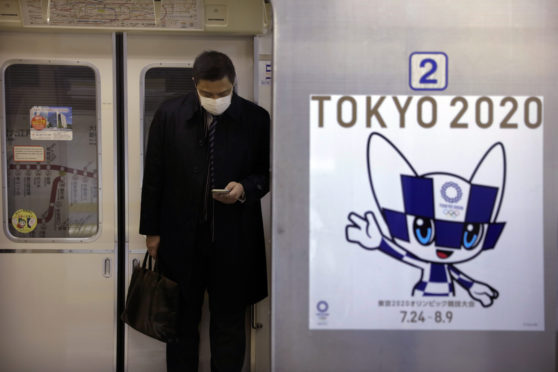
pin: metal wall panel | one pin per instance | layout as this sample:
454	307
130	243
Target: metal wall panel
261	311
363	47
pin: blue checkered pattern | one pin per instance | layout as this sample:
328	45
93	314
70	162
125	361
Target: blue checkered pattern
418	197
437	279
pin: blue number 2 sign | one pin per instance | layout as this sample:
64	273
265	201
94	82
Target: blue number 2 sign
428	71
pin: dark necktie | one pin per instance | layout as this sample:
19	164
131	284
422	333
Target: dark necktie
211	142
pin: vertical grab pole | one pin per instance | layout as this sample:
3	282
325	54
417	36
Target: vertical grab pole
119	74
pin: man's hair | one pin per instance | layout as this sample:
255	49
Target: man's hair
212	65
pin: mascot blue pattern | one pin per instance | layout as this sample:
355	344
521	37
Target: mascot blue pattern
434	220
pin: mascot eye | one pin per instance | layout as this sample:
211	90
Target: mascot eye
472	234
424	230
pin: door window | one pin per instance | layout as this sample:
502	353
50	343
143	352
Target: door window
51	157
161	84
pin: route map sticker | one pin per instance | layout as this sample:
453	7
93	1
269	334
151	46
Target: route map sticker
51	123
65	198
173	14
24	221
29	153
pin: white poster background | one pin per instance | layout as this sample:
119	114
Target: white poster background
348	283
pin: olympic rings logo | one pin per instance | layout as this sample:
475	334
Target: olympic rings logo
322	306
453	188
451	212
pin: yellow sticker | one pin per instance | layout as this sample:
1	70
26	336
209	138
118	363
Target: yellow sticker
24	220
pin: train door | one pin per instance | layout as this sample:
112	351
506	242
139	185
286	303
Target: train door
166	71
57	242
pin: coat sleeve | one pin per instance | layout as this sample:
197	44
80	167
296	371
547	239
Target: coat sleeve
153	178
256	185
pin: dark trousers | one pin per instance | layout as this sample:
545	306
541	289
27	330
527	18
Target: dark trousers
227	333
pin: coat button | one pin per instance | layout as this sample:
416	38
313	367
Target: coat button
201	142
196	169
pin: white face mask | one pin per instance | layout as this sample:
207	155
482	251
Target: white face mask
216	106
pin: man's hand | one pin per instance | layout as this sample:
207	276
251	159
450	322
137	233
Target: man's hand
236	192
152	242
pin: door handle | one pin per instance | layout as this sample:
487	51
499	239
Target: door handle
107	264
254	317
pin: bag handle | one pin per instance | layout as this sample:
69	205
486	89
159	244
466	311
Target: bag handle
145	261
156	268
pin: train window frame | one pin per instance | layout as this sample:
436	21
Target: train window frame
142	91
98	155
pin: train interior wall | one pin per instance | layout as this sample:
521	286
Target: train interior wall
59	282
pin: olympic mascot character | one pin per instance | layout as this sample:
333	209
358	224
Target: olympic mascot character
434	220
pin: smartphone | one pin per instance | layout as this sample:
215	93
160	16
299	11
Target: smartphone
220	191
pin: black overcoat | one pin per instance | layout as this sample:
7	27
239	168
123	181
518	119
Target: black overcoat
174	182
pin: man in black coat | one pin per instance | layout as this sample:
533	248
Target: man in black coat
206	169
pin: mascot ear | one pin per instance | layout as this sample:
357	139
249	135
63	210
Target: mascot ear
491	171
386	165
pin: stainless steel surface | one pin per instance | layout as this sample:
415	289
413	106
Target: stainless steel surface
261	338
363	47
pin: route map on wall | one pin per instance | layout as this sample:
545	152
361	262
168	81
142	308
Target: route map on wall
62	190
51	153
173	14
